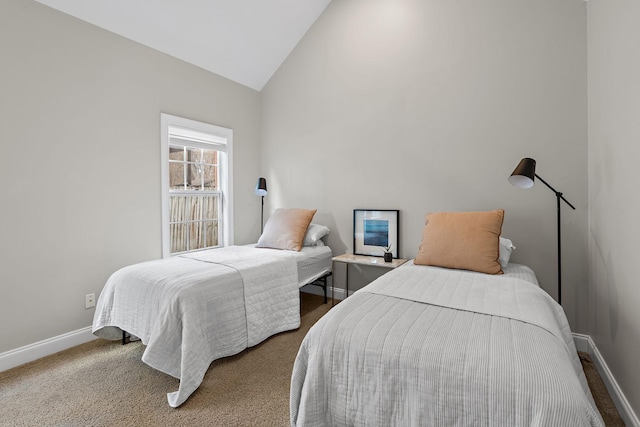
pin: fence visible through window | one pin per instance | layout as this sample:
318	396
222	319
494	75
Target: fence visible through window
193	222
194	198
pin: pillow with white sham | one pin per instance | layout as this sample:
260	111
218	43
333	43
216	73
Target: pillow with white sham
314	233
506	246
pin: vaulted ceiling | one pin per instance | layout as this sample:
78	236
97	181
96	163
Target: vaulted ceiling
243	40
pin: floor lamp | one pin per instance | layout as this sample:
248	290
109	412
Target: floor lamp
523	177
261	190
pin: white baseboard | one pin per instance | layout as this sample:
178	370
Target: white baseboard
585	344
29	353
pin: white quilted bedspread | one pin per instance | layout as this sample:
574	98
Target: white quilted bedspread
193	309
426	346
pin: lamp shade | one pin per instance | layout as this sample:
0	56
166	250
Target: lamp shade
524	174
261	187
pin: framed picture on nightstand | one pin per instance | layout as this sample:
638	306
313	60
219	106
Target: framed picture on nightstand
375	230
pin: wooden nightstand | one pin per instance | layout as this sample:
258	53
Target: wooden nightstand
371	261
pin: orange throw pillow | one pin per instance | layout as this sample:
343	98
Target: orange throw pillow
462	240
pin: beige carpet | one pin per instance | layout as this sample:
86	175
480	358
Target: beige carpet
600	394
104	383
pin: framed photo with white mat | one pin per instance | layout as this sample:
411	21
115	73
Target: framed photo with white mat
375	230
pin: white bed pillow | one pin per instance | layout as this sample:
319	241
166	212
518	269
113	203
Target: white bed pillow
314	233
506	246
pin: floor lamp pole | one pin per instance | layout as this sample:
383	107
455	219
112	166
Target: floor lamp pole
261	190
262	216
558	197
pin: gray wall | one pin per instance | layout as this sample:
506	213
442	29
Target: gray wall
80	150
428	105
614	150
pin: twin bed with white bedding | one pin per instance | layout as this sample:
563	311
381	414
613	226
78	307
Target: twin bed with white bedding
425	345
194	308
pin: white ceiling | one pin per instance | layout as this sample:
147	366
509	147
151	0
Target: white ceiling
243	40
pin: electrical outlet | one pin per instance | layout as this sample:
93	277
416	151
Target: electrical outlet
89	300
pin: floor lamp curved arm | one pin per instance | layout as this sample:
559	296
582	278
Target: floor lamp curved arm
558	194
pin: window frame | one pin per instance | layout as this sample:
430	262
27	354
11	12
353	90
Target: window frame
202	135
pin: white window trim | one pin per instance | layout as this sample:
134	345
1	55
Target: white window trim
217	136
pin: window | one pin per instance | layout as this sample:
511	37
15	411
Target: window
196	189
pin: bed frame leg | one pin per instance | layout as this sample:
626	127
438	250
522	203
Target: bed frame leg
323	279
322	282
325	291
126	338
324	288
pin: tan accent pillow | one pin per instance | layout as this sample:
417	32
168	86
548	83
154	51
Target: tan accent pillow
462	240
285	229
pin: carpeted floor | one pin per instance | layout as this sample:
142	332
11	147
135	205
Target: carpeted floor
104	383
600	394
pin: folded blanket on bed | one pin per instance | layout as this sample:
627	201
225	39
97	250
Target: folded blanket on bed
191	310
270	281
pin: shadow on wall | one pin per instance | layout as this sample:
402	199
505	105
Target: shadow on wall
334	240
607	278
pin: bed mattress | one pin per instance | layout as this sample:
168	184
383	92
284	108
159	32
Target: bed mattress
521	272
313	262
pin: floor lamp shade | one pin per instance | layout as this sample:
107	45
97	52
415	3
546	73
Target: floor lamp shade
261	187
524	174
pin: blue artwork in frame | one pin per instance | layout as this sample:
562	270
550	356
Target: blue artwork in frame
376	232
373	230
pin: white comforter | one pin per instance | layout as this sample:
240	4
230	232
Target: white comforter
193	309
426	346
